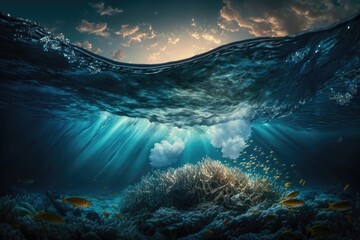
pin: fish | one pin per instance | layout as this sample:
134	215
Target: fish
77	202
293	165
302	182
350	219
264	180
118	215
288	184
294	202
270	217
277	177
49	217
255	211
226	221
340	139
319	231
106	214
340	206
289	235
209	234
346	188
291	195
26	180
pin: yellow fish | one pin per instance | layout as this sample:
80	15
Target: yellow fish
270	217
226	221
302	182
106	214
255	211
288	235
288	184
294	202
277	177
49	218
350	219
319	231
347	187
291	195
340	206
78	202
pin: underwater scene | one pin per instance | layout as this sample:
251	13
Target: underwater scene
256	139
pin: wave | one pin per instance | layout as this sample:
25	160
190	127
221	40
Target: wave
309	80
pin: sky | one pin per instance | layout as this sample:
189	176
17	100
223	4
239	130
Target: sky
148	32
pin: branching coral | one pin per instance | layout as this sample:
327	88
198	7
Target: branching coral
208	181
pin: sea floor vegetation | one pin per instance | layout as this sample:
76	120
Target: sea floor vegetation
207	200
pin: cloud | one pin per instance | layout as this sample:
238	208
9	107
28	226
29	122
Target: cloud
230	137
118	55
102	10
93	28
88	46
136	33
210	38
280	18
173	41
127	30
164	154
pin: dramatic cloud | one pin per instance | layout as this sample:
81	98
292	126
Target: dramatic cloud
279	18
102	10
211	38
136	33
88	46
230	137
127	30
118	55
93	28
173	41
164	154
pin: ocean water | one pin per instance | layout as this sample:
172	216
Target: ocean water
202	148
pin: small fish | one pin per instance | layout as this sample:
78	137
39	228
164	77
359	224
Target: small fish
289	235
302	182
226	221
78	202
347	187
277	177
340	139
340	206
26	180
255	211
350	219
270	217
209	234
293	165
288	184
264	180
106	214
319	231
49	217
294	202
291	195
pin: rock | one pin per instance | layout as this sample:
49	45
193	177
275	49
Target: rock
93	216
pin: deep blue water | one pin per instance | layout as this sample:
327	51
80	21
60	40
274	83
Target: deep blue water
77	122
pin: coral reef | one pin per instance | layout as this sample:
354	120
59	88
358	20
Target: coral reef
223	203
208	181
